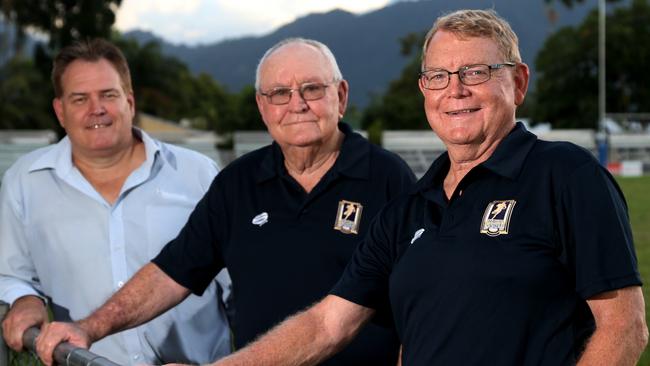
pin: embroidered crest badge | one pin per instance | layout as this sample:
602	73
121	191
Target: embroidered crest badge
348	217
496	218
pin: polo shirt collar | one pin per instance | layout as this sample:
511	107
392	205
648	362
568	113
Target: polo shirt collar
353	160
507	160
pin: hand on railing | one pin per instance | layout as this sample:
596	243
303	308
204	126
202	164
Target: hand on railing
26	312
66	353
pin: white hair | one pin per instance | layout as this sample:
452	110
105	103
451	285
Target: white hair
297	40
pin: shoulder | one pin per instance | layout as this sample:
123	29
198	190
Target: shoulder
381	156
248	163
561	155
22	166
185	155
384	163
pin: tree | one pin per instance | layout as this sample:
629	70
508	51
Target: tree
401	106
63	21
21	106
567	65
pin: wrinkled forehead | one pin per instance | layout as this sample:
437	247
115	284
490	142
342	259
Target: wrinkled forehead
295	62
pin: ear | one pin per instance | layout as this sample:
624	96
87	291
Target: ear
131	100
421	86
57	104
522	75
343	92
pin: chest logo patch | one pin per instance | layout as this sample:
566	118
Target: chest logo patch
261	219
496	218
348	217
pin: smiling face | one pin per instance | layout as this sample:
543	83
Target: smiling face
477	114
301	123
94	109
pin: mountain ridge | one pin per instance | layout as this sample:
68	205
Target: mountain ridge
367	46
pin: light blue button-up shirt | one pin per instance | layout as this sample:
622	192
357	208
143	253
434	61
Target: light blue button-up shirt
59	237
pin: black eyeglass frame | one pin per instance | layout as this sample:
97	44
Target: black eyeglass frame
460	74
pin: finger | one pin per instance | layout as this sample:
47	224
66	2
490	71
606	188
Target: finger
45	344
12	335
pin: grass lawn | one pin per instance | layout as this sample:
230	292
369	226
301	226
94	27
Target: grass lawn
637	193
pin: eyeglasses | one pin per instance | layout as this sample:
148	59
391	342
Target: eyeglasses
307	91
437	79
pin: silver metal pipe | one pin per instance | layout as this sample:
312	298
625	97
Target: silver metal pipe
4	351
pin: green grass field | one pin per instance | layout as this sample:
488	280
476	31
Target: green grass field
637	193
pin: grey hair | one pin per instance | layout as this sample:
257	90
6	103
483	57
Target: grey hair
477	23
297	40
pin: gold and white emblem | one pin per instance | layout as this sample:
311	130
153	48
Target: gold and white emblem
496	218
348	217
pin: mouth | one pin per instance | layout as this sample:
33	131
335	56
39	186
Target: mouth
98	125
461	112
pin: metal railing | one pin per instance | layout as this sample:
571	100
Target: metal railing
4	351
64	354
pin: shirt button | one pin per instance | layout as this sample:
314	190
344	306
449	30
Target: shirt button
120	284
136	357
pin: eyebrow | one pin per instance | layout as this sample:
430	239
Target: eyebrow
83	94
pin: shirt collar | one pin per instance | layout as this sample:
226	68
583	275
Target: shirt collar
353	160
60	157
507	160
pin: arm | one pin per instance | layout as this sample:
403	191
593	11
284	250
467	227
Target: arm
621	332
306	338
27	311
148	294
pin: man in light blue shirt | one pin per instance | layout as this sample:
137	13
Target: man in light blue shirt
79	218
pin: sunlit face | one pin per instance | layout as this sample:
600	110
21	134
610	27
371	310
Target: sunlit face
95	110
477	114
300	122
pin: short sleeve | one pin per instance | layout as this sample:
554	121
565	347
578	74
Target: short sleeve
596	233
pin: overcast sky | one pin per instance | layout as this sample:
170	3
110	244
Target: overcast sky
206	21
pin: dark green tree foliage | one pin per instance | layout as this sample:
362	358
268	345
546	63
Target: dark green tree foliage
567	84
401	106
628	52
21	105
63	21
567	67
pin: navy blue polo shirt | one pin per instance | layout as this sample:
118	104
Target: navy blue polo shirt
285	248
499	273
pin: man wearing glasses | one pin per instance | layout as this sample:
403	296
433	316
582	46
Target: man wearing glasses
509	251
284	219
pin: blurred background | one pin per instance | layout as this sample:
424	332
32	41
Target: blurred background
193	64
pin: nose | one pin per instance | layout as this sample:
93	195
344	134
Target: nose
456	88
96	106
297	103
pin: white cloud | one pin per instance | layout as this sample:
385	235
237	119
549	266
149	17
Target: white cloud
193	21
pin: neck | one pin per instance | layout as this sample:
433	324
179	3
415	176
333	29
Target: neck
463	158
308	164
108	173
